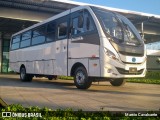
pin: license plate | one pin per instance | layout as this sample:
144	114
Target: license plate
132	70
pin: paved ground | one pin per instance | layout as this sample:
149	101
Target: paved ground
63	94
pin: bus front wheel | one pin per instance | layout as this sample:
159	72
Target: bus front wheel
117	82
24	77
81	78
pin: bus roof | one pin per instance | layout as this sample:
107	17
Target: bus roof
51	18
110	8
82	5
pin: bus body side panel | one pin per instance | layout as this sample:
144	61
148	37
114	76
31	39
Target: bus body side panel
61	49
83	53
49	67
30	66
14	61
14	66
49	58
61	57
39	67
94	67
72	62
37	60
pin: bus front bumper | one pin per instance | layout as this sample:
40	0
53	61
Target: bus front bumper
118	70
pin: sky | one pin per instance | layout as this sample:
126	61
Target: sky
146	6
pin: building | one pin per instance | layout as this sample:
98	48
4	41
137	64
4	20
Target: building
16	15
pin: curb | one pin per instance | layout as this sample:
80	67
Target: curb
2	103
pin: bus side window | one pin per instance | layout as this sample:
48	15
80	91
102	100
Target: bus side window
88	22
26	39
39	35
82	23
62	30
15	42
51	30
76	27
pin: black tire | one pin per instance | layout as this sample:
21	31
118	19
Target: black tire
24	77
118	82
50	78
81	79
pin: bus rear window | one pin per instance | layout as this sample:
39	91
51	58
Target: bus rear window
15	42
16	39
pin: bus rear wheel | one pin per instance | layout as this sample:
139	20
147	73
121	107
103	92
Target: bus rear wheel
118	82
81	78
24	77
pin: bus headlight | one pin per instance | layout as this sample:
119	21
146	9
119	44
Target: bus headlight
111	54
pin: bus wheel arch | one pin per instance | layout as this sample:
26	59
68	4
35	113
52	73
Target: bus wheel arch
22	66
74	67
81	79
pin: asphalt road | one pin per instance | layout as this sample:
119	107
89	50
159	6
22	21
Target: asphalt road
63	94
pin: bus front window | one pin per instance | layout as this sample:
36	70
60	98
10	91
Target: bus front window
131	34
111	25
118	27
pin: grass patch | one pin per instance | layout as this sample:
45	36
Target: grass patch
67	114
150	78
65	77
143	80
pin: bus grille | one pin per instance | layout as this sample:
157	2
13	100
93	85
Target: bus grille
132	54
126	72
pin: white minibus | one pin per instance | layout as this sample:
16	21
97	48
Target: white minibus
87	42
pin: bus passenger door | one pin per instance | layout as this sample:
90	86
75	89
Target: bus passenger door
84	42
61	46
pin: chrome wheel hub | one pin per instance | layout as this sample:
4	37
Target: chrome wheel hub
80	77
23	73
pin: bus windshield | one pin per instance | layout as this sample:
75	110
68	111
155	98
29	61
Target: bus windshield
118	27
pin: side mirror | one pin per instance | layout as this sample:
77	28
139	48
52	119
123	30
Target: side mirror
80	21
